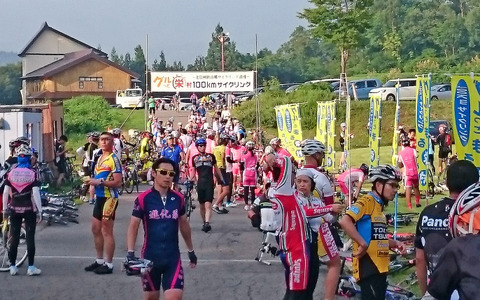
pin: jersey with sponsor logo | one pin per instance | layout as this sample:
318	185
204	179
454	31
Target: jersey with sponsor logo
204	164
432	233
21	181
371	224
104	169
351	176
160	217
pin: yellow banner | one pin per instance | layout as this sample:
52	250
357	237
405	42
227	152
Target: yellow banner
466	124
290	128
374	135
330	155
422	126
322	122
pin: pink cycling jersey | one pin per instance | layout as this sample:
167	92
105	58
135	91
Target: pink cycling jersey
284	152
236	156
408	158
250	168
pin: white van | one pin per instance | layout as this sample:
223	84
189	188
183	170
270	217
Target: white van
406	90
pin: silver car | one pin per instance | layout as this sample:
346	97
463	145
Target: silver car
442	92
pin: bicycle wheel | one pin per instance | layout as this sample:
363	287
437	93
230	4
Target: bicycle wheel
129	184
135	180
188	206
5	246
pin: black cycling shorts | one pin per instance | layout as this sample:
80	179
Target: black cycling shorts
169	275
226	178
205	192
105	208
443	154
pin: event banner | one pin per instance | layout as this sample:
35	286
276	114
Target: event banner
422	127
330	155
395	129
374	135
290	128
202	82
321	133
466	124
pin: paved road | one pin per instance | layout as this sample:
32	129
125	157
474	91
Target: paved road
226	269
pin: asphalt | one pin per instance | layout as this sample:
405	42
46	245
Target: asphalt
226	267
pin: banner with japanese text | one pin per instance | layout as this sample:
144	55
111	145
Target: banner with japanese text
422	121
290	128
321	133
466	123
374	135
330	155
202	82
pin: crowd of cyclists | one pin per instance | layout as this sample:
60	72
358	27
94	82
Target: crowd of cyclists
229	165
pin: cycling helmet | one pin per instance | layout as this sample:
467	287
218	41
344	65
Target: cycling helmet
116	131
200	141
224	136
442	125
13	144
169	136
310	147
466	211
137	266
23	140
250	145
23	150
275	142
384	172
364	168
175	134
170	120
89	134
269	150
95	134
233	138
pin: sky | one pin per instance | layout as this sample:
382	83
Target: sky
181	28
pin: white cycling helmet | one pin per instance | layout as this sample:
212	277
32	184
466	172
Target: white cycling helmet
465	211
269	150
23	150
250	145
116	131
175	134
310	147
384	172
275	142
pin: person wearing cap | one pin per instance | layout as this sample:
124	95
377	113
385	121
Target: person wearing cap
276	144
225	115
407	159
341	139
444	141
173	152
179	126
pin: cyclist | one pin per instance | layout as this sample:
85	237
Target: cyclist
249	165
341	139
276	144
60	161
173	152
107	178
407	159
118	146
162	211
224	185
444	141
458	267
236	154
432	233
229	170
25	204
313	151
204	165
351	181
366	224
145	148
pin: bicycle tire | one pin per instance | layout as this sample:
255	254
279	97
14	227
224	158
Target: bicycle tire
129	184
22	251
135	181
188	206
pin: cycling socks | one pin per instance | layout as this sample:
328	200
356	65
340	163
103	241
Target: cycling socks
99	261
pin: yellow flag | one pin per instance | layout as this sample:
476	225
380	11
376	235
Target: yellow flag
330	155
290	128
374	136
422	125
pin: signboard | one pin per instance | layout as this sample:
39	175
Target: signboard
202	81
374	136
422	126
290	128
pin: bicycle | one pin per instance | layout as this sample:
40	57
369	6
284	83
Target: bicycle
127	181
45	174
188	199
442	176
5	244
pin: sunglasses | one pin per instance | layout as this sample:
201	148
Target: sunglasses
201	145
393	185
166	172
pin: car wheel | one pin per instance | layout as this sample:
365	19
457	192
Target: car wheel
390	97
434	98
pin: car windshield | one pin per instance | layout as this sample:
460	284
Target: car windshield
390	83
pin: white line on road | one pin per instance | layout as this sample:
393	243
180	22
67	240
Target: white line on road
122	258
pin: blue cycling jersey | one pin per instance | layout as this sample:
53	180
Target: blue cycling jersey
172	153
160	223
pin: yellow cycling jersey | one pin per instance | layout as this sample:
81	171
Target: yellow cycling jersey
371	223
219	153
144	148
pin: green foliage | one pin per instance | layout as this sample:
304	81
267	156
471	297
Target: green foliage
88	113
10	84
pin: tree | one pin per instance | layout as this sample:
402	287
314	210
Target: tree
160	65
10	84
213	59
198	65
114	56
138	63
340	22
127	60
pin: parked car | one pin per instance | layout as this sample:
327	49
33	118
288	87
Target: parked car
328	80
185	103
406	91
434	131
361	87
441	92
292	88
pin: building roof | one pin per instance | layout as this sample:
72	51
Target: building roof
72	59
46	27
67	95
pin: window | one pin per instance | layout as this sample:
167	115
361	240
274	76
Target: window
360	85
371	83
100	84
80	84
82	80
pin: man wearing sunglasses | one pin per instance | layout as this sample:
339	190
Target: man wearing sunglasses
366	224
162	211
204	164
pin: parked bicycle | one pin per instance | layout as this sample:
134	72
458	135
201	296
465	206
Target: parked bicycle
5	243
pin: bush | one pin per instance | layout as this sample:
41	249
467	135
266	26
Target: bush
88	113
